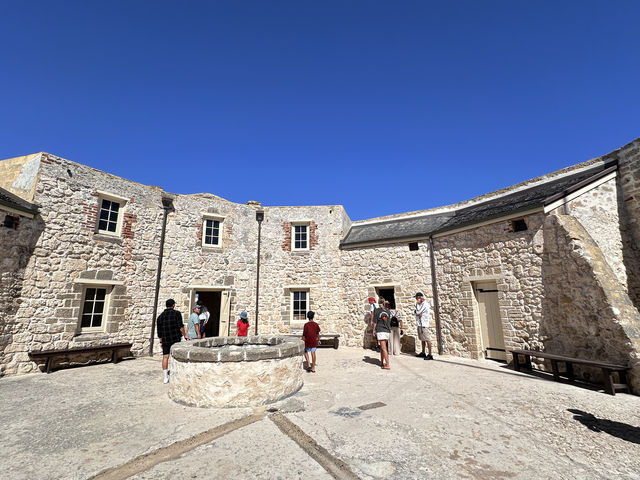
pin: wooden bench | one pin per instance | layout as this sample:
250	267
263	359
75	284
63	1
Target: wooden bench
333	339
51	354
607	369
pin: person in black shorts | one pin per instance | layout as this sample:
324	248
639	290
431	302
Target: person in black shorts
170	330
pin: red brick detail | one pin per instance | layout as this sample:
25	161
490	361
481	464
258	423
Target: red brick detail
286	245
199	232
127	225
92	216
313	235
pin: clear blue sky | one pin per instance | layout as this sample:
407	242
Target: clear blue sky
381	106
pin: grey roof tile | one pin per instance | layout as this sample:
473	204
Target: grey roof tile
429	224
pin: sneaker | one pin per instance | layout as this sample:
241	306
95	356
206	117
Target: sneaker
428	357
421	354
166	379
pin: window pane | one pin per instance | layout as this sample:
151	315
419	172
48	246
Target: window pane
106	204
115	206
86	321
97	320
104	214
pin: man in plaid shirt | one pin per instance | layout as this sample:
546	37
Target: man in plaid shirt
170	330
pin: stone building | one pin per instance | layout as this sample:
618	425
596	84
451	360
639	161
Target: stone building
549	264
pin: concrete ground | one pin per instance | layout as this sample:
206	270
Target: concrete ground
444	419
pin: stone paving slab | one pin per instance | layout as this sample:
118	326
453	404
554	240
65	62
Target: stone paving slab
441	419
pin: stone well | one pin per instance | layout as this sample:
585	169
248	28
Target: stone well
235	371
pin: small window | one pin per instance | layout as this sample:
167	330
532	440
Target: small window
211	232
93	308
519	225
300	305
109	213
11	221
413	246
300	237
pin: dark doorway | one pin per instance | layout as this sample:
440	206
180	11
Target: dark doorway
388	294
211	300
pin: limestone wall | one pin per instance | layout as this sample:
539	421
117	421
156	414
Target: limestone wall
586	311
68	254
491	252
597	211
629	212
388	266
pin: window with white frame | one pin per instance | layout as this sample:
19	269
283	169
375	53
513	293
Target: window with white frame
212	231
299	306
300	236
110	213
94	308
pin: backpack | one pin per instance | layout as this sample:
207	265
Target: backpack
394	321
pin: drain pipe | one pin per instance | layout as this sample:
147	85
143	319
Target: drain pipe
259	219
436	299
167	206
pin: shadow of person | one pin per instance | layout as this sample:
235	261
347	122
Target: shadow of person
617	429
371	360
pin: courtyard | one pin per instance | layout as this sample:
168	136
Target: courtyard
443	419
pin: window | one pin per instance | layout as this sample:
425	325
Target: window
93	308
211	232
519	225
300	306
110	213
300	234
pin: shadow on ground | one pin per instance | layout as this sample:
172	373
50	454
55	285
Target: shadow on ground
617	429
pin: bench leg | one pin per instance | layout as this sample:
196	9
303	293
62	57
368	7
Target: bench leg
608	381
570	374
554	369
114	355
336	341
48	365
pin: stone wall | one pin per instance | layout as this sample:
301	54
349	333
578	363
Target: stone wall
597	211
490	252
629	212
586	311
67	257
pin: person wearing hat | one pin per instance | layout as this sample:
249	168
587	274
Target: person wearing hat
311	337
242	325
423	316
193	324
170	330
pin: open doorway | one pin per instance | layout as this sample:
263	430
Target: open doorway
211	300
388	293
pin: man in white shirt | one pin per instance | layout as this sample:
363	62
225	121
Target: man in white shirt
423	316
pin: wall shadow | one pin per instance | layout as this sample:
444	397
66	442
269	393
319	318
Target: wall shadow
626	432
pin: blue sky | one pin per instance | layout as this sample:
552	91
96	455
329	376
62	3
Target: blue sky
383	107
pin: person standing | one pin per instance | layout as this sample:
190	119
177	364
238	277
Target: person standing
311	337
193	324
423	316
242	325
204	318
381	328
170	330
395	325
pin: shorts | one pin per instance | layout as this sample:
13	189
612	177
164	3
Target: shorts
312	349
423	334
166	347
382	335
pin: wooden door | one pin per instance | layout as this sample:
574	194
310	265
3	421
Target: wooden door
493	346
225	310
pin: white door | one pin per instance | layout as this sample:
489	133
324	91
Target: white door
490	323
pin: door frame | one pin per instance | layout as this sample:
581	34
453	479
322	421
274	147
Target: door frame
225	304
499	352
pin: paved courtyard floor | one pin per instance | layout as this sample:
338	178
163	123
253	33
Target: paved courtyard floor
444	419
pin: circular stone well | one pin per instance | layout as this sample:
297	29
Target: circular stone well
235	371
